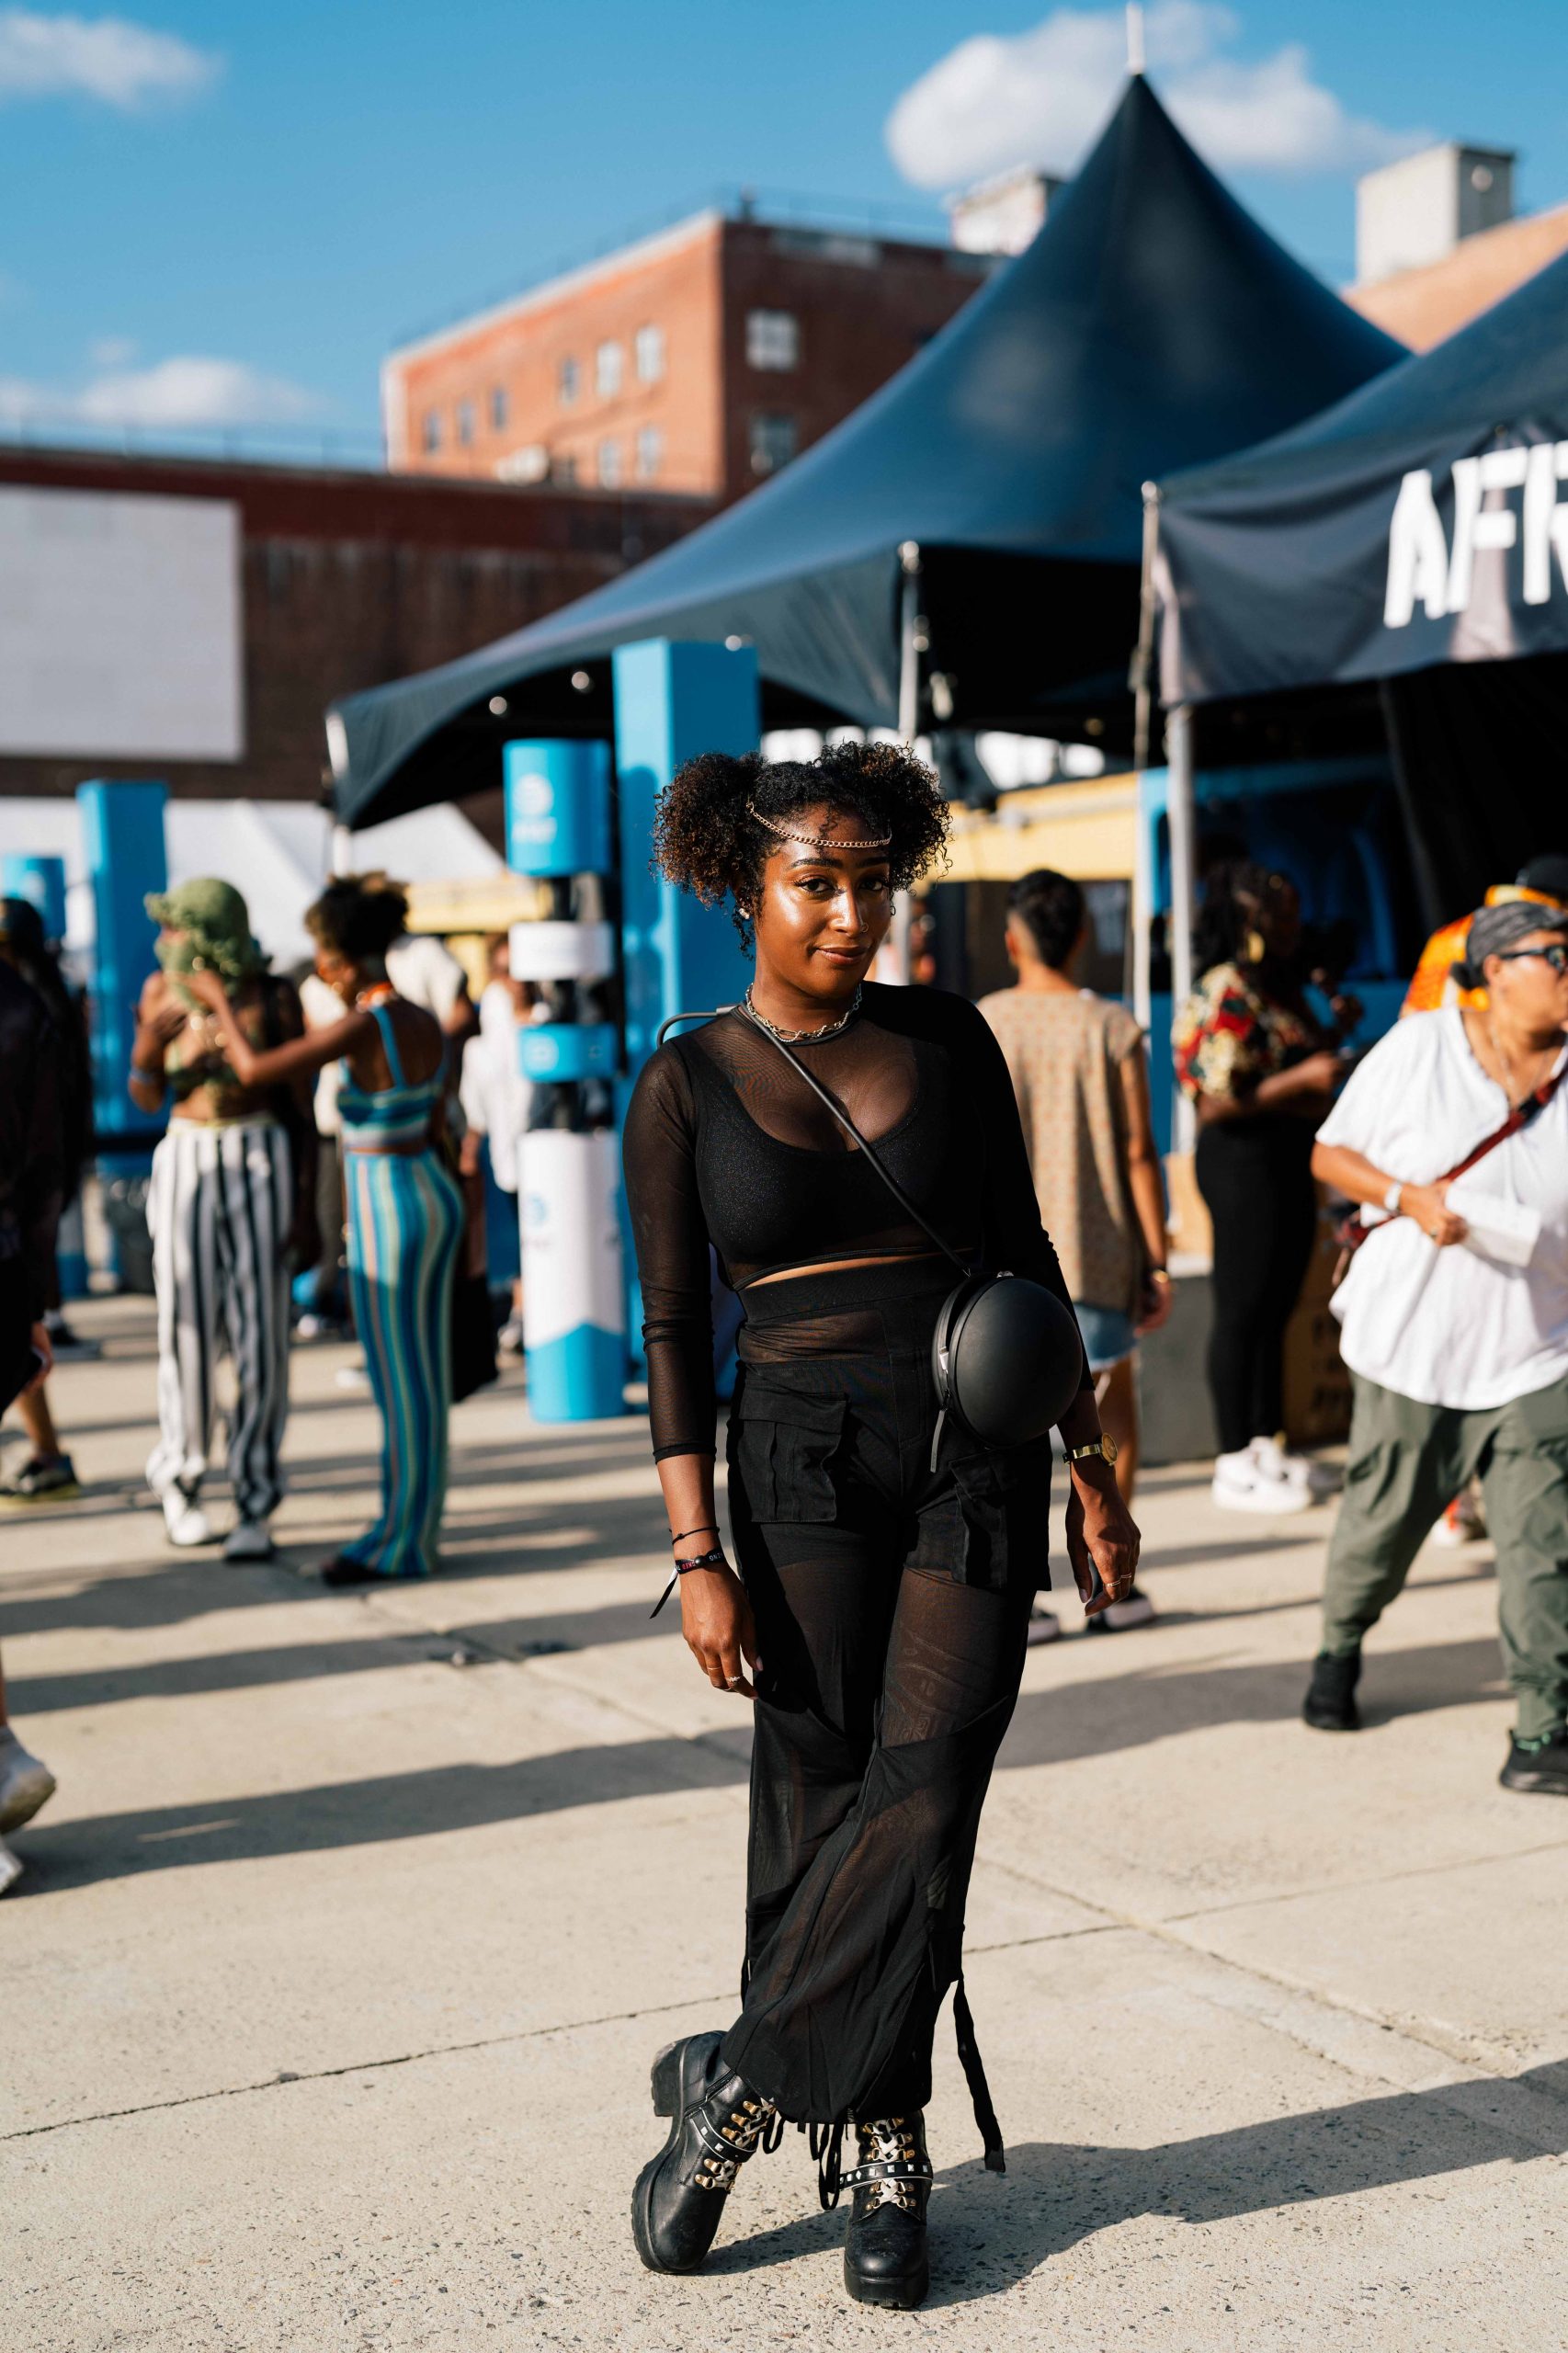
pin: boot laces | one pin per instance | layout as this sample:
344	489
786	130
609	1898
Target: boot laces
888	2140
748	2126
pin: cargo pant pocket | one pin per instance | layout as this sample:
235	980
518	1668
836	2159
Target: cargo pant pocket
782	1448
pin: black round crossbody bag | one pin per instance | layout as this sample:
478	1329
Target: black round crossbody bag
1007	1359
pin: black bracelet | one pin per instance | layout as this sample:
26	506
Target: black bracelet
714	1559
703	1528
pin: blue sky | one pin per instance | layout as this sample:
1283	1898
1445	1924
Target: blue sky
226	213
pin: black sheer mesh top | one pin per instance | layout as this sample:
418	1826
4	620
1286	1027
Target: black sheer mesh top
725	1148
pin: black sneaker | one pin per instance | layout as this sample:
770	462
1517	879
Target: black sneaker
1134	1609
45	1479
1330	1704
1543	1771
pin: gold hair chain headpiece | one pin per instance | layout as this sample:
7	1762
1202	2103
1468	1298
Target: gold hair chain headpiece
813	841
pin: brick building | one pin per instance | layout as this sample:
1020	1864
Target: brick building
698	360
1437	241
192	621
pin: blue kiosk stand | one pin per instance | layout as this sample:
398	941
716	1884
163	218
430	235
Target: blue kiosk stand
122	835
574	816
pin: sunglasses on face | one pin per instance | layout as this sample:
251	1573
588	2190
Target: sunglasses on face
1556	956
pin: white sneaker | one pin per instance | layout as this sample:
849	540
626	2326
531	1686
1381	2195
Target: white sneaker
10	1868
249	1540
351	1376
185	1523
1461	1525
1045	1626
1241	1482
24	1782
1318	1478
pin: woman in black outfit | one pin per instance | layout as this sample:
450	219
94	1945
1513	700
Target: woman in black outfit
1261	1069
878	1610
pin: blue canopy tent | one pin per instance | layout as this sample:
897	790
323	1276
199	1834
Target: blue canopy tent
1411	545
1152	324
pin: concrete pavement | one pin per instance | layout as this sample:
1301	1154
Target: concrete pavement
330	1989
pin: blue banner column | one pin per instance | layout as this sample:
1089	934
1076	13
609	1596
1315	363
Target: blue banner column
40	881
559	831
673	700
123	843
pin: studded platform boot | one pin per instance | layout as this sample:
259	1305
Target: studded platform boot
885	2260
718	2122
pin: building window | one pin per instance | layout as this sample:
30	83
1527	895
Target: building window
611	473
499	409
564	471
773	340
465	423
610	366
774	441
568	381
430	432
649	453
648	354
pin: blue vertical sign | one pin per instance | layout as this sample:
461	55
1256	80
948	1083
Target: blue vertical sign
673	700
122	841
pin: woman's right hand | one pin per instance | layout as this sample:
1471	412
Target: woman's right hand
721	1633
1428	1205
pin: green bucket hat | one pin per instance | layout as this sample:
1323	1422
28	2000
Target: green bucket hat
216	924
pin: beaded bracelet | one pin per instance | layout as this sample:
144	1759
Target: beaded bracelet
714	1559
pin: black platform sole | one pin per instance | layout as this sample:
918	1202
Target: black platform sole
897	2295
675	2081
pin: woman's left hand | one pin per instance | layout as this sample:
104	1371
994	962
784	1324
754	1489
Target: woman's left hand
207	987
1101	1535
1155	1305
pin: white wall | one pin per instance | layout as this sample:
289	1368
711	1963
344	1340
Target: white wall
120	625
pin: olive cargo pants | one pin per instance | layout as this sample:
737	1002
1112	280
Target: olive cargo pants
1406	1459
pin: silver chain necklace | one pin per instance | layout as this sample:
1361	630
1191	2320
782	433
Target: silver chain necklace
802	1037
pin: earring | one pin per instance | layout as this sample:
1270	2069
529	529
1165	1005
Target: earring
1255	948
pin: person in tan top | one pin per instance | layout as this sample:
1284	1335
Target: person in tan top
1082	1082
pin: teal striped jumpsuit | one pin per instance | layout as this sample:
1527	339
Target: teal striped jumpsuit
405	1220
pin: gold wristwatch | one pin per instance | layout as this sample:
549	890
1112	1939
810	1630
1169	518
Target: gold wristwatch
1102	1446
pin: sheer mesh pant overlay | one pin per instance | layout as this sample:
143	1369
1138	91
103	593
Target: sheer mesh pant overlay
891	1605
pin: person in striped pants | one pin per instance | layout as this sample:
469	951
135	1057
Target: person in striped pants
231	1203
405	1213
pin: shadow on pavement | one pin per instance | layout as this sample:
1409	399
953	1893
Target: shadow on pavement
1056	2195
1051	1727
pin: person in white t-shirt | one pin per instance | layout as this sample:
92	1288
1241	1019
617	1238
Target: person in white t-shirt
1454	1318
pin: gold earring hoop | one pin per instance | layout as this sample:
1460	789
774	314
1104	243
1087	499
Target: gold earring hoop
1255	948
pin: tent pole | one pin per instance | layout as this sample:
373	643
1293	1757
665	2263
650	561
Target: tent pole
1142	671
1181	815
910	637
909	643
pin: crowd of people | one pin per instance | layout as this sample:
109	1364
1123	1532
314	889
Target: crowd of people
821	1151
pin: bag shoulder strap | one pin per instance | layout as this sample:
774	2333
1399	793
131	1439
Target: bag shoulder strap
1521	1117
850	1130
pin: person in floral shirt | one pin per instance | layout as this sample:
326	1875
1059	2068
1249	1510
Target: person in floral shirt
1260	1069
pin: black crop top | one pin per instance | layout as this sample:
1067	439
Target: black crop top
726	1147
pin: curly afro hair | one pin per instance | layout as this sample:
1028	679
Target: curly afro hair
706	840
359	917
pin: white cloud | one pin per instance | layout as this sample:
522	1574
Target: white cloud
112	351
107	58
996	102
175	392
